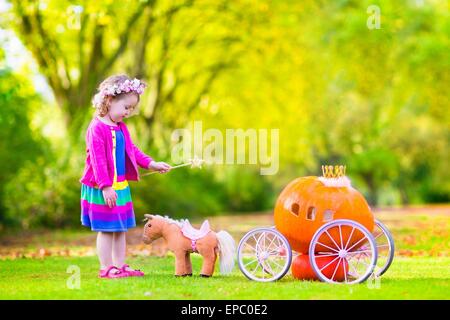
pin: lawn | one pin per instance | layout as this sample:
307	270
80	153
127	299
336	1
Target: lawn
408	278
37	265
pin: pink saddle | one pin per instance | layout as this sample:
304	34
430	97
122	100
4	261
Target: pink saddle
194	234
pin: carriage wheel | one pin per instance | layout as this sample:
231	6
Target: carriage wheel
385	247
264	255
340	244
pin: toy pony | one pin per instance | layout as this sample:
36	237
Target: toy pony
182	239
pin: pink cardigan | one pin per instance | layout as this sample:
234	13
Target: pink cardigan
99	167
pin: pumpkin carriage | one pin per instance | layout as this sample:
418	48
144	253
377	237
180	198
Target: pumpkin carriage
329	228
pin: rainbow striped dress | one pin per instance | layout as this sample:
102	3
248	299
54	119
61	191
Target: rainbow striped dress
95	213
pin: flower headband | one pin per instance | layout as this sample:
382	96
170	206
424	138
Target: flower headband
134	85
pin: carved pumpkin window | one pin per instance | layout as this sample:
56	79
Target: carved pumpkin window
294	208
311	214
328	215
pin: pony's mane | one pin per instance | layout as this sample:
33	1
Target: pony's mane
172	221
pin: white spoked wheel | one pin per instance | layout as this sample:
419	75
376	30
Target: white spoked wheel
385	247
335	252
264	255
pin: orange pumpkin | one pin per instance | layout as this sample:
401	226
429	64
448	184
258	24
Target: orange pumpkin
302	270
307	203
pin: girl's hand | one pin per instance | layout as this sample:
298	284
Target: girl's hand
110	196
161	167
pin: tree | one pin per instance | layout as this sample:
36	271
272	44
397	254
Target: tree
176	45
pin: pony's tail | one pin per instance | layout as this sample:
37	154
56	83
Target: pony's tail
227	251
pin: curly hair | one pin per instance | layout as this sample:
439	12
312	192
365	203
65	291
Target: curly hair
102	103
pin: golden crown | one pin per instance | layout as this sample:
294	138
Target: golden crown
333	171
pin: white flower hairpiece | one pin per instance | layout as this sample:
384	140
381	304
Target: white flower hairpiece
134	85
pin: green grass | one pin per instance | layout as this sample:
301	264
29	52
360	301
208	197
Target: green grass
408	278
421	269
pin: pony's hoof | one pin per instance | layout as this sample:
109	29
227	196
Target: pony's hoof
205	276
187	275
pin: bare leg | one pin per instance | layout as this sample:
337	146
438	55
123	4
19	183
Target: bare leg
104	249
119	249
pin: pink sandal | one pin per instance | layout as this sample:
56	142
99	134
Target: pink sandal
106	273
131	272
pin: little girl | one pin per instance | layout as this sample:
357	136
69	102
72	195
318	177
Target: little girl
112	160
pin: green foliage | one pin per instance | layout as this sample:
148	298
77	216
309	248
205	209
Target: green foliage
43	193
201	193
247	190
179	194
340	93
19	143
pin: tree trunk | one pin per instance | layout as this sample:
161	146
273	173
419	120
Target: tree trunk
372	197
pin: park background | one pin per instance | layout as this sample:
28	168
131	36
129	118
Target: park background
339	91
